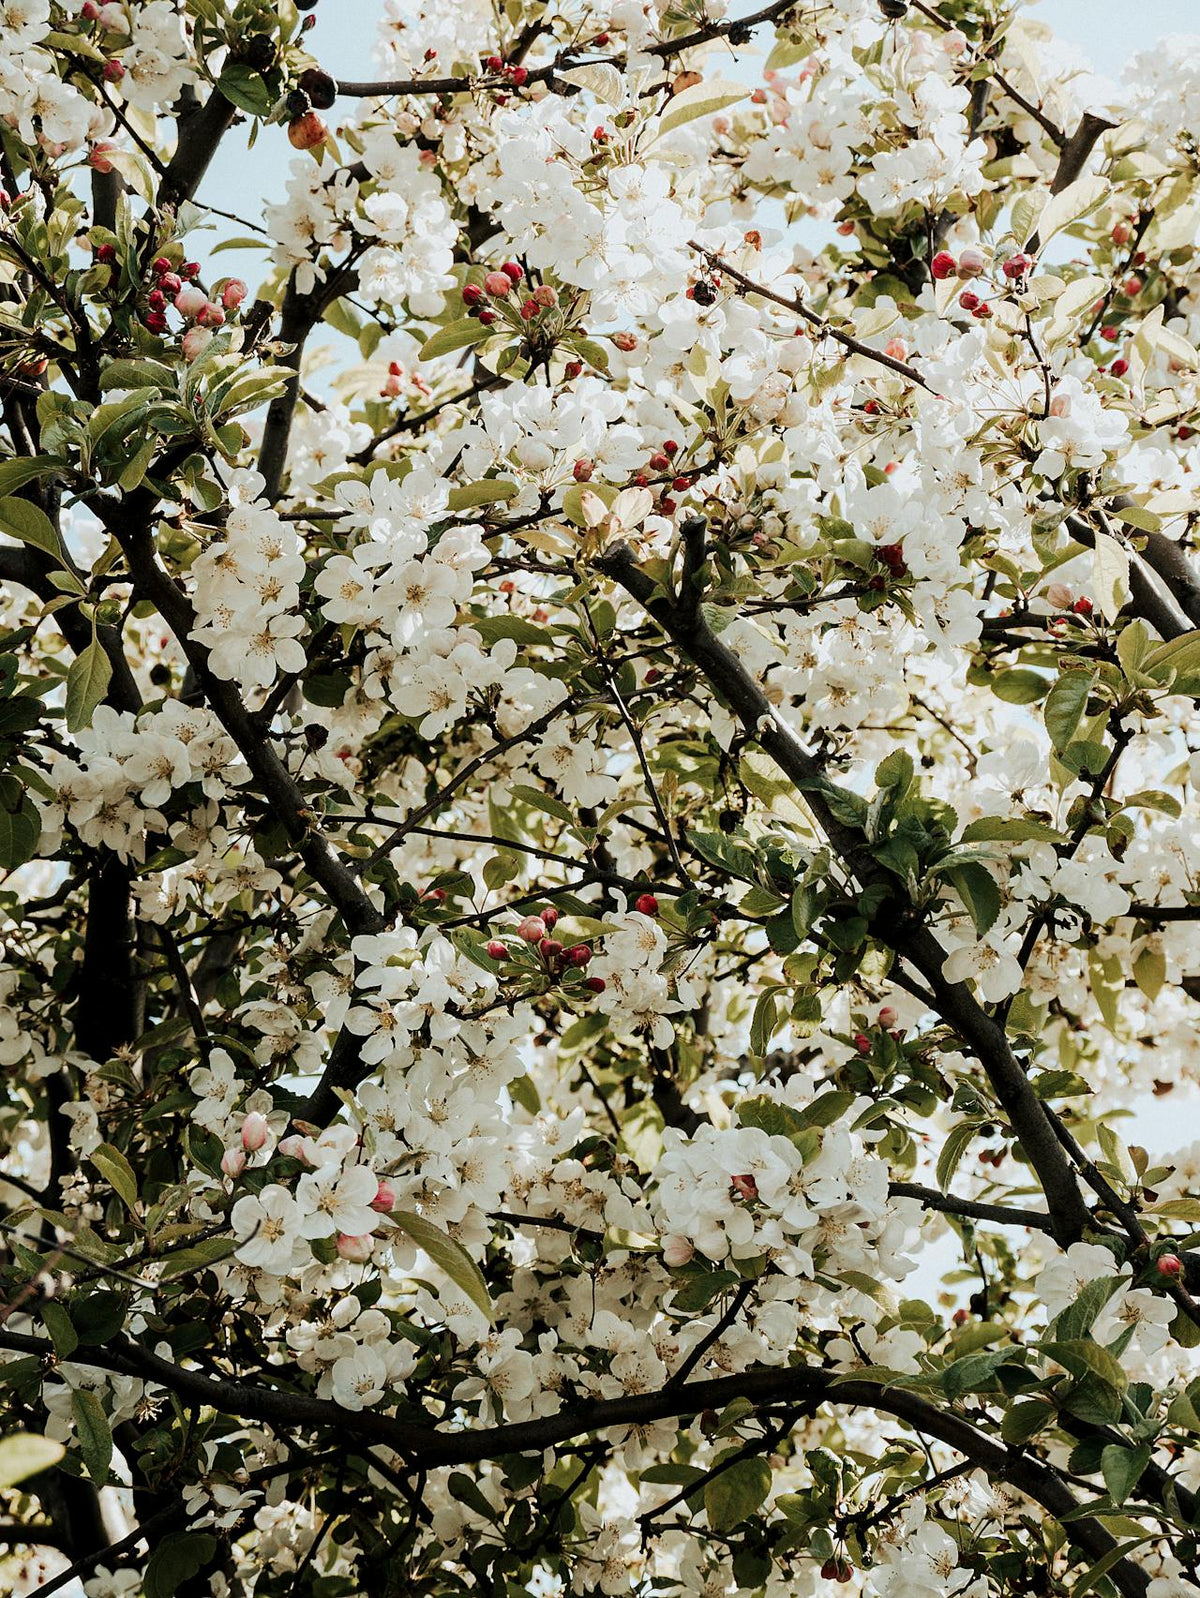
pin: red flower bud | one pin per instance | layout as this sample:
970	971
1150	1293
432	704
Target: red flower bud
550	917
595	984
1170	1266
943	265
497	950
579	954
862	1043
513	271
572	370
969	300
646	904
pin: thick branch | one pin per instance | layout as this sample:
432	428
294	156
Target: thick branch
800	1384
912	941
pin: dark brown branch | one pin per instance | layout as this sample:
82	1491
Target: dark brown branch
802	1384
971	1209
732	27
806	314
911	940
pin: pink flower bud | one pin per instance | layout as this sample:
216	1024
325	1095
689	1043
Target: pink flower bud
625	341
194	342
887	1017
233	1163
210	315
546	295
1060	595
497	950
498	284
744	1186
677	1251
170	282
897	348
532	929
190	300
385	1199
113	71
295	1147
357	1249
1060	405
971	261
255	1132
98	155
233	293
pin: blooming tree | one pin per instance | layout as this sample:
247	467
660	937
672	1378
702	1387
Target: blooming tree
598	805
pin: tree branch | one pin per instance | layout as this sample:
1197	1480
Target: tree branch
912	941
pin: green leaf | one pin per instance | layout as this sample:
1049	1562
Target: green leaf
1110	575
24	1455
1181	654
87	683
736	1493
546	802
244	87
701	100
1011	829
117	1172
198	1257
20	825
1064	705
957	1142
1122	1468
1105	1563
449	1256
1019	687
15	474
457	336
490	491
176	1560
1024	1419
764	1021
95	1438
58	1323
26	522
978	890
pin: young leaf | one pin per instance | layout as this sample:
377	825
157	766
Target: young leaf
95	1437
448	1256
87	683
